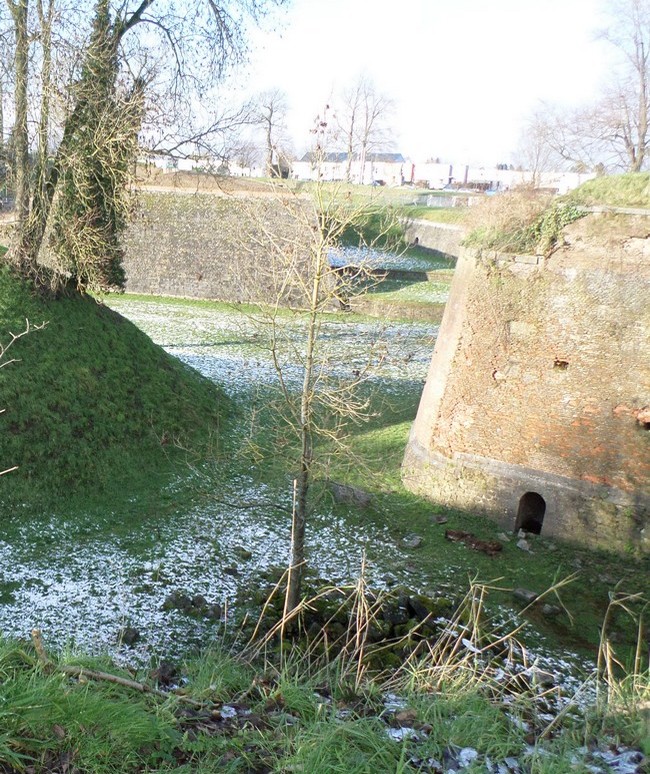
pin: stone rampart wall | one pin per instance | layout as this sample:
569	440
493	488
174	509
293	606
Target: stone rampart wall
540	382
441	237
219	247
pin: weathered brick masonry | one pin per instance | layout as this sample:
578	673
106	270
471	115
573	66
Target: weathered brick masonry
442	237
536	407
231	248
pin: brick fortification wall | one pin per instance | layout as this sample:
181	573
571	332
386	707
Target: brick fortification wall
444	238
233	248
540	383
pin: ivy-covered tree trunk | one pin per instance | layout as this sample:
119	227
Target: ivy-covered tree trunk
91	206
80	199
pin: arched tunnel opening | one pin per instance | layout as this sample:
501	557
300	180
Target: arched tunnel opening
530	514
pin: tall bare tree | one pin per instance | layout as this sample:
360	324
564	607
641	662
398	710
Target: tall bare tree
627	101
363	120
271	115
613	131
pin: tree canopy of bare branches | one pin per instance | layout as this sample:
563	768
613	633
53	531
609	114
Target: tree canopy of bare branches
627	101
363	121
270	113
614	131
131	66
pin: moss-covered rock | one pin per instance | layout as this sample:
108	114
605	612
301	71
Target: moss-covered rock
397	623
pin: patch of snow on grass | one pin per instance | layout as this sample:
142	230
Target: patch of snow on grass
82	592
378	259
229	347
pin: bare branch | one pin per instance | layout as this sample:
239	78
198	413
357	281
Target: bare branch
130	22
13	338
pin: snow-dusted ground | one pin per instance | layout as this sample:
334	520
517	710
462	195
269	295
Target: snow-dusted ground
378	259
84	589
229	347
81	588
422	292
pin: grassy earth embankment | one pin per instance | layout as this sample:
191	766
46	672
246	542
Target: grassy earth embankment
529	221
628	190
92	406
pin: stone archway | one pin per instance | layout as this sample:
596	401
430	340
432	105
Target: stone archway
530	514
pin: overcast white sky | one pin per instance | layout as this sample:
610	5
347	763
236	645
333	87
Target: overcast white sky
464	74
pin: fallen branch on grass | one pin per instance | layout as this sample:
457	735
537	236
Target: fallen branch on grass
92	674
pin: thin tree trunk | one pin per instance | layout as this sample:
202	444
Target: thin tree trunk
303	479
19	11
298	528
45	18
348	168
2	118
269	149
644	119
362	163
32	230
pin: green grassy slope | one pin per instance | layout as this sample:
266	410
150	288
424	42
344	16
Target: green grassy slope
629	190
91	404
253	716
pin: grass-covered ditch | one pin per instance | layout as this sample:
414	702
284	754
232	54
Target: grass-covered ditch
412	284
143	531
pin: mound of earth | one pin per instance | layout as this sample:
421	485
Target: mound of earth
89	401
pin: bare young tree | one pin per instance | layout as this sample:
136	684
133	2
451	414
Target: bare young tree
320	398
245	153
317	402
535	153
